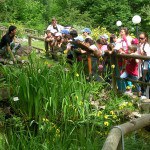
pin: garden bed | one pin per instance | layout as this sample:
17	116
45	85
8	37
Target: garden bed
52	106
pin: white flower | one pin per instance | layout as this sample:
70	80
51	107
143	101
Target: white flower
15	99
22	61
39	71
11	62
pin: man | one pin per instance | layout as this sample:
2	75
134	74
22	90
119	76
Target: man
55	26
7	45
51	27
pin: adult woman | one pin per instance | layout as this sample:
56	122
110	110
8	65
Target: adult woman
125	40
144	49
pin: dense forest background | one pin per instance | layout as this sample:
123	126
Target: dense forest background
85	13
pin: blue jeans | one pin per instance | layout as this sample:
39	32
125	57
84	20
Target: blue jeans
120	84
127	83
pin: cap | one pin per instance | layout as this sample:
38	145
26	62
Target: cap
86	30
79	38
104	36
65	31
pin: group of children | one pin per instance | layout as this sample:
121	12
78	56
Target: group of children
59	39
64	41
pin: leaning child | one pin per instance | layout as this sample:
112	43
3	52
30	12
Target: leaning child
131	70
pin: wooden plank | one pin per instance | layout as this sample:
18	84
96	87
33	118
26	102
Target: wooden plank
40	49
114	136
140	82
133	56
38	38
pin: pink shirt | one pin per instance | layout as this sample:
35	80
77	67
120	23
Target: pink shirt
132	67
125	42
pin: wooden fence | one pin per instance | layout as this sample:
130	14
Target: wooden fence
30	37
30	31
112	57
126	56
115	139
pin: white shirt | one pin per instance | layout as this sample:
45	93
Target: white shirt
122	44
59	27
146	48
93	47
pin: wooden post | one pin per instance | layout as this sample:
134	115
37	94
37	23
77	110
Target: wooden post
112	58
29	40
114	136
89	64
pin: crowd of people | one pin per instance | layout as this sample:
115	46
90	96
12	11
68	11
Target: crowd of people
59	39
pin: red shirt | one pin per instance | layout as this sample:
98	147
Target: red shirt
132	67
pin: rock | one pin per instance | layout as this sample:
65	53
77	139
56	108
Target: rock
24	50
135	115
145	106
4	93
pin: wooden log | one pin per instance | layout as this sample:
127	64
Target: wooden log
113	75
114	136
133	56
89	64
34	37
82	46
140	82
29	40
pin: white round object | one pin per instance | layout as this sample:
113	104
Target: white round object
136	19
118	23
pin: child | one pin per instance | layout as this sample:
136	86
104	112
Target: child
49	37
131	70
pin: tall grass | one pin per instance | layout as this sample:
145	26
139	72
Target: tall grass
54	109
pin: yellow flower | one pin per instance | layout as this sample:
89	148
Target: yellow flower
114	116
124	104
57	131
46	63
99	113
112	66
106	116
106	123
65	51
112	112
120	107
130	104
77	75
45	120
101	58
128	87
133	86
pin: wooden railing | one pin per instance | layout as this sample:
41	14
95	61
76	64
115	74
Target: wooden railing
126	56
113	57
30	31
114	142
30	37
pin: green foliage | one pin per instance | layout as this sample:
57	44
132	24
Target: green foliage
57	104
37	14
